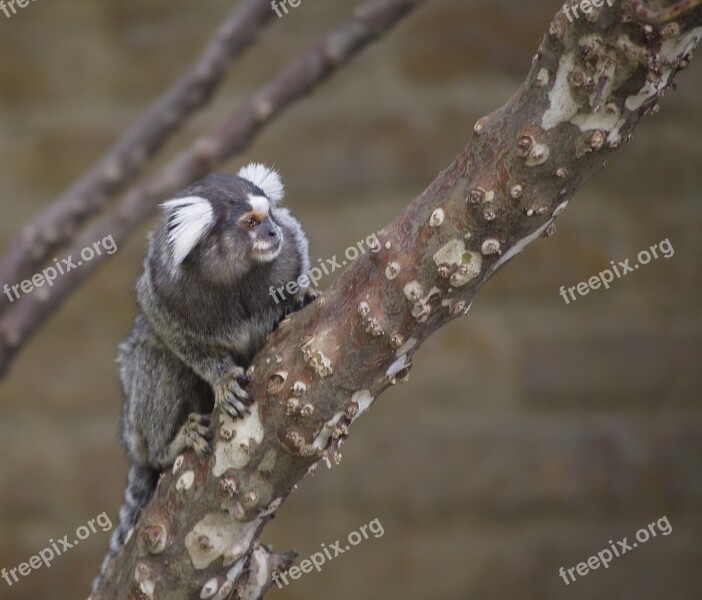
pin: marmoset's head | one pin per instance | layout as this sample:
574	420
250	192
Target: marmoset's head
224	225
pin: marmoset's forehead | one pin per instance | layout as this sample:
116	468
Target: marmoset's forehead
254	188
220	187
260	205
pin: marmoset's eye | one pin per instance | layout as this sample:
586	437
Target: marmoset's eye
251	223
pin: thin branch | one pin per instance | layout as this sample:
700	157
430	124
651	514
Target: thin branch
57	225
237	131
506	189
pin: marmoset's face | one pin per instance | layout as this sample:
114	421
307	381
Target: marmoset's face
244	235
264	235
224	229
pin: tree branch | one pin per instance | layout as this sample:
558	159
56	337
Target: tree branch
235	133
57	225
591	83
663	15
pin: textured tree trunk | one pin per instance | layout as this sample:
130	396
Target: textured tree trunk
591	82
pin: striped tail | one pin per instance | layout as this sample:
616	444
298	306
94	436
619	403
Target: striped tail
141	485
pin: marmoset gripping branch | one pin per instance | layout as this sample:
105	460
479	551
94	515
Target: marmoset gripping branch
205	312
591	83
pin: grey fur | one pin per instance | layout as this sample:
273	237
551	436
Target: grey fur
201	323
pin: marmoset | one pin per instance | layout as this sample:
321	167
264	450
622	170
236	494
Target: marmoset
205	311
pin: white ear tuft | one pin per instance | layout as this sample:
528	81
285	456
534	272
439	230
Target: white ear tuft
191	219
264	178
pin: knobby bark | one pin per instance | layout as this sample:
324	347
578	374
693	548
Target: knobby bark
235	133
590	84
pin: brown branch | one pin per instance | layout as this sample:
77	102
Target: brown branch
663	15
323	366
57	225
234	135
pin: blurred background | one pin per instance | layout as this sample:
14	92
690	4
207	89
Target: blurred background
530	433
